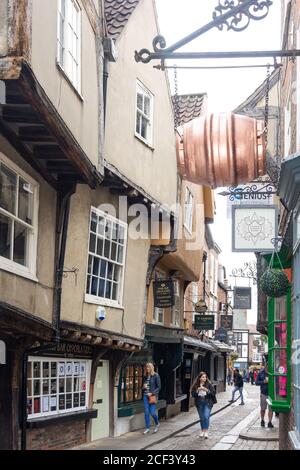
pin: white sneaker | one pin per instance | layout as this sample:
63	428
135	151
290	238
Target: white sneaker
206	435
156	428
201	434
146	431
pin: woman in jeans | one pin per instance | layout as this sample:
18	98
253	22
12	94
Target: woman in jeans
151	388
204	394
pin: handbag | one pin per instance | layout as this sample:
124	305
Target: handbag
152	400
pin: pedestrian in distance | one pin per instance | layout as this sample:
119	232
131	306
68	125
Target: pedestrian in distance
229	376
151	387
251	374
205	398
255	375
238	386
262	380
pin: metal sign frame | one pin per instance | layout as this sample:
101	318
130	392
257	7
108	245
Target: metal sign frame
258	249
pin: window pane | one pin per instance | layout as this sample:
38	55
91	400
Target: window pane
110	268
69	384
138	123
280	308
115	291
101	288
53	386
36	369
45	387
121	238
25	201
280	388
53	369
29	370
103	269
280	335
144	128
94	220
8	189
280	361
92	243
100	244
96	267
53	403
90	264
147	106
140	101
94	286
117	272
107	249
36	387
108	229
108	290
37	406
5	236
120	254
20	244
61	385
46	369
101	226
114	251
29	388
62	402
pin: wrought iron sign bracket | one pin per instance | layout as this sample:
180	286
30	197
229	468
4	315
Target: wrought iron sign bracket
234	15
253	191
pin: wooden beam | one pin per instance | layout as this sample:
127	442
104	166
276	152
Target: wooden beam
50	118
20	28
92	14
18	145
10	68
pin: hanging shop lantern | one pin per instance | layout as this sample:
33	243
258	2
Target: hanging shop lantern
222	150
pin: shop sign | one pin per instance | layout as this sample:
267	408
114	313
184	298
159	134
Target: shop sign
221	335
242	298
227	322
204	322
68	350
200	307
163	291
2	353
254	228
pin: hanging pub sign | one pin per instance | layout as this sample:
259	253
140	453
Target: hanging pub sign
163	293
226	322
204	322
200	307
242	298
254	228
221	335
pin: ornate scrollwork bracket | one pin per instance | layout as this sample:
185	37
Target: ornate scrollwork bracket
256	10
233	14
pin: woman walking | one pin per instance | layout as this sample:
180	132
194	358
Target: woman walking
205	398
151	388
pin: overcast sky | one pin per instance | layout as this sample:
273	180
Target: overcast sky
226	89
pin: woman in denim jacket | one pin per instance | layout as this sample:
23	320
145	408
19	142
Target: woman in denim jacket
151	388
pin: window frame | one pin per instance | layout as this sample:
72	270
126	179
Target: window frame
64	62
92	299
30	271
122	384
57	360
140	87
188	213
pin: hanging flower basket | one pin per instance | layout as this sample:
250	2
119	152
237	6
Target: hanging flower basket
274	283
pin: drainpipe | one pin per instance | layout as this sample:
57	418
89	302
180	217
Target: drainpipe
62	232
105	82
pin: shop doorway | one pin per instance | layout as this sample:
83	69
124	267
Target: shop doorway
100	425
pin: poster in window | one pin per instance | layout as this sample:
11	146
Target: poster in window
37	408
45	404
53	403
82	368
61	369
82	399
76	368
62	402
76	400
69	401
69	368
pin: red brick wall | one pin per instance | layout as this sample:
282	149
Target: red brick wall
57	436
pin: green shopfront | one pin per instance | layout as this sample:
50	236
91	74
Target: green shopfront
285	328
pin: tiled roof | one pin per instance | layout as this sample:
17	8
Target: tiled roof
190	107
117	13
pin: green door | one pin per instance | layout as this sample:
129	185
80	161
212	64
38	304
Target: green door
100	425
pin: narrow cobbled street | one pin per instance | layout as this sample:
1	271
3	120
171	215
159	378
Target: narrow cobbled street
233	427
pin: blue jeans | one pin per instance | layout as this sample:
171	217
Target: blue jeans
204	414
240	389
149	410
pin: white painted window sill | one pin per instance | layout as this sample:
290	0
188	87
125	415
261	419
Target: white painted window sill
89	299
143	141
12	269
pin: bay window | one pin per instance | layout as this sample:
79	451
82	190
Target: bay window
18	220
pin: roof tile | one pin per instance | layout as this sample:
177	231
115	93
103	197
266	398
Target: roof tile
117	13
190	107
